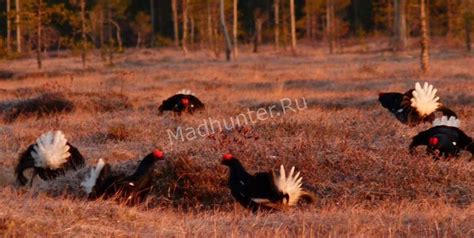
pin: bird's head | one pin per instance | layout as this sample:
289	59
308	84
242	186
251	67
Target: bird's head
158	155
434	141
228	159
185	102
443	145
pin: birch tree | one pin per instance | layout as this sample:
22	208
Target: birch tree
228	45
174	8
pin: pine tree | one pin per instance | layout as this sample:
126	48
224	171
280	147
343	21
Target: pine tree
18	27
293	26
400	25
174	8
424	37
276	8
235	26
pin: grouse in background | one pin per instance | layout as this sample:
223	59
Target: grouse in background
416	105
444	139
264	190
132	189
51	156
182	101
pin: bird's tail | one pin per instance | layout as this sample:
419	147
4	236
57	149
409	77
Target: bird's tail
90	180
424	99
51	150
290	186
185	92
444	121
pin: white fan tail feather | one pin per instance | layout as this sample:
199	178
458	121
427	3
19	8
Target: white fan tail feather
51	150
290	185
90	181
424	99
185	92
444	121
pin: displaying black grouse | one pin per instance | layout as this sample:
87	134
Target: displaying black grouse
444	139
416	105
182	101
265	189
131	189
51	156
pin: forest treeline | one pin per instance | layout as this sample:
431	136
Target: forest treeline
41	26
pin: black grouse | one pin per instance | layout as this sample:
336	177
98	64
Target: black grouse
416	105
182	101
132	189
444	139
264	190
51	156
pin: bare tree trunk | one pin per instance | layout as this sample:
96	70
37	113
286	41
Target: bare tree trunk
293	26
468	20
174	7
9	28
468	31
202	29
258	27
185	26
235	27
314	26
83	31
276	7
390	19
284	22
308	22
330	25
18	27
209	25
139	39
193	32
38	34
257	16
228	44
101	34
118	35
451	17
109	33
153	24
400	25
424	37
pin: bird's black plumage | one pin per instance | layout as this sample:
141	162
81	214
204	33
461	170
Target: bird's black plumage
26	161
132	189
400	105
180	103
443	141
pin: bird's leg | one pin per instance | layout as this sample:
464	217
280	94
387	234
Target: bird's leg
33	177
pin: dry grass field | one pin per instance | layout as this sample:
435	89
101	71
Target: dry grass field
352	152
